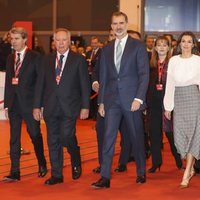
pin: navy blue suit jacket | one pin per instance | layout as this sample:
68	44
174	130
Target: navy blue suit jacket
131	81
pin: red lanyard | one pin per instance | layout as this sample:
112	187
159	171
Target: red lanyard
17	68
160	70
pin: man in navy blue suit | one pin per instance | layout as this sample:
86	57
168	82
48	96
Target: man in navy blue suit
124	76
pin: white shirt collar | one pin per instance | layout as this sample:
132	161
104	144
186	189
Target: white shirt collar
65	54
22	52
123	40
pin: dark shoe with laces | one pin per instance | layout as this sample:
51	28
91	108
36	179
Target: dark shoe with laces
76	172
97	170
141	179
42	171
101	183
53	181
12	177
121	168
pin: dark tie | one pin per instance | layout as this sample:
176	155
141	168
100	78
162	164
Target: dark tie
92	55
18	61
59	66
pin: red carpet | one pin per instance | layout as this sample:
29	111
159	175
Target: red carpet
162	185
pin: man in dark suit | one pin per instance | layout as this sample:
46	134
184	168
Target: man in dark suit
63	90
125	141
21	73
92	58
124	76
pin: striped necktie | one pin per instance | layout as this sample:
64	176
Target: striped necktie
18	61
118	55
59	65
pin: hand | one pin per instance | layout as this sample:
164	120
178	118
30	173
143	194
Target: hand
37	114
101	110
6	113
95	87
144	112
135	105
84	113
168	115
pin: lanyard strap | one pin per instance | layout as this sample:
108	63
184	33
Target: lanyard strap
160	70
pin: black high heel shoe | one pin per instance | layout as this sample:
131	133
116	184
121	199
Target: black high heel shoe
154	168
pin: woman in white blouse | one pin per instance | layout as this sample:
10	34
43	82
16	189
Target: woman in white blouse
182	96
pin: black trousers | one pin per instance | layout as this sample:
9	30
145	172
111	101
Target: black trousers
156	137
61	132
33	128
155	133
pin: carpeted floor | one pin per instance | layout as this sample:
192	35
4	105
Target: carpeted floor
163	185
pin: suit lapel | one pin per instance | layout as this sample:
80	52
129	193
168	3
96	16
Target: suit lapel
52	65
25	62
113	55
125	53
12	65
68	64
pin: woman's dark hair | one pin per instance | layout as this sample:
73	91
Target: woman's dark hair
195	49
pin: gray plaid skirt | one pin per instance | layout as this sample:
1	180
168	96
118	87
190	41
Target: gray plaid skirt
187	120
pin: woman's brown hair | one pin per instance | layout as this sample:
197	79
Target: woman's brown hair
154	57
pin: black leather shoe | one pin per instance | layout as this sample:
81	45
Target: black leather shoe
97	170
101	183
12	177
76	172
121	168
141	179
53	181
42	171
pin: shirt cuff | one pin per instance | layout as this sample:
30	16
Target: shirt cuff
95	82
138	100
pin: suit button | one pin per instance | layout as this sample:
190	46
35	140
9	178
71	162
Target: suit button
118	79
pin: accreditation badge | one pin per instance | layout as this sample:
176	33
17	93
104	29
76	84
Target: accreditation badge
159	87
15	81
58	79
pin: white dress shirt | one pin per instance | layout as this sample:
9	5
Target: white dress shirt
22	54
123	43
64	60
